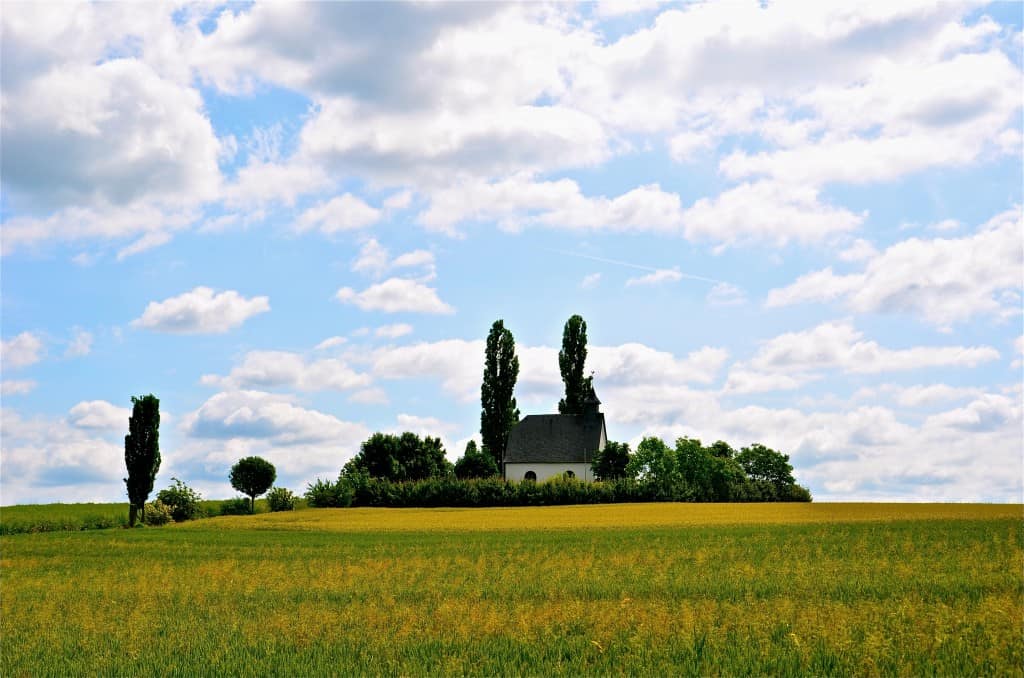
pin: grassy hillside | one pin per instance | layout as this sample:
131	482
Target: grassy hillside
650	589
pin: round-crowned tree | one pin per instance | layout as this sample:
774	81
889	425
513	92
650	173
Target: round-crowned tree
252	476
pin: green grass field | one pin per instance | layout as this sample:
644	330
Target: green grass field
650	589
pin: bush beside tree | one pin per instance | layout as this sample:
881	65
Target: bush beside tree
183	501
475	464
280	499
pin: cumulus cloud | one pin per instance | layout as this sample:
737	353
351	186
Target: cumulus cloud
201	311
396	295
791	360
21	351
539	378
268	417
342	213
49	460
764	211
375	259
105	89
590	281
944	280
272	369
100	414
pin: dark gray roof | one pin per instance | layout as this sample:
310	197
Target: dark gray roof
554	438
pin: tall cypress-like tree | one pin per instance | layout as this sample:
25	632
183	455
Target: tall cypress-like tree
572	361
498	407
142	452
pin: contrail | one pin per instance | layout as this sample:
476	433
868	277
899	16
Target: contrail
636	266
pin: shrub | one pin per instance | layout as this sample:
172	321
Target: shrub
182	500
239	506
281	499
156	513
325	494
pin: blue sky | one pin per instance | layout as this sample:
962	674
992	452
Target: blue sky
790	223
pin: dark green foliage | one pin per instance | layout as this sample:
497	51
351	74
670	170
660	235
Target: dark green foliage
655	464
498	413
475	464
182	500
252	476
400	458
722	450
239	506
571	362
142	452
325	494
280	499
611	462
763	463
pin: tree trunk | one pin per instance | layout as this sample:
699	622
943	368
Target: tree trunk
132	514
252	504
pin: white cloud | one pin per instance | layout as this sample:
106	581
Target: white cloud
201	311
726	294
590	281
13	387
521	200
271	369
452	362
658	277
100	414
302	443
80	344
767	211
393	331
396	295
23	350
944	280
330	342
342	213
48	460
860	250
840	346
375	260
398	201
104	88
271	418
932	394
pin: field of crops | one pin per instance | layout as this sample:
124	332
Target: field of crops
653	589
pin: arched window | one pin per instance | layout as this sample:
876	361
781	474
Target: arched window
570	474
530	475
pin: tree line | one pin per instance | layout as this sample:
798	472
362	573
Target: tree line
406	470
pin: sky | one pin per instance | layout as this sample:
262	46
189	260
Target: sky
793	223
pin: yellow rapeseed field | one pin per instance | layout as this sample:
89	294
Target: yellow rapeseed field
610	516
646	589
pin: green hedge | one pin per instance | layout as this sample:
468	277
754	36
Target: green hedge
450	491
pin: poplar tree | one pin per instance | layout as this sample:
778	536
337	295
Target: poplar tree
498	407
142	453
572	361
